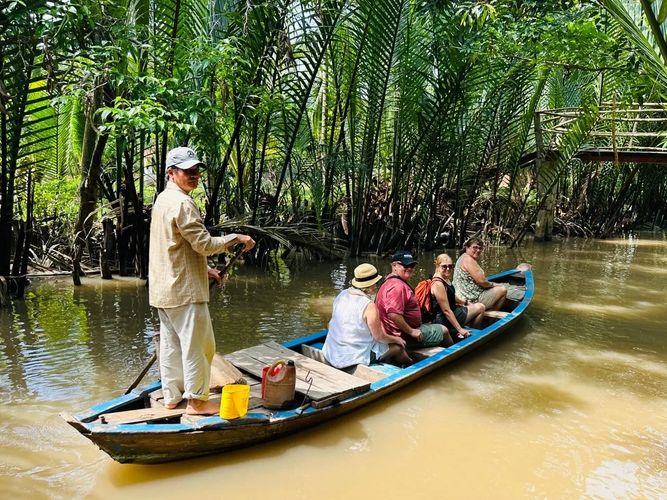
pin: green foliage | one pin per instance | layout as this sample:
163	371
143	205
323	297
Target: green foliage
57	198
394	121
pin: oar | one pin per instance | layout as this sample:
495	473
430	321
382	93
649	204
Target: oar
149	363
143	372
238	251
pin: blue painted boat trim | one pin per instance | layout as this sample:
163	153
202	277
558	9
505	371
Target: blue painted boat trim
309	339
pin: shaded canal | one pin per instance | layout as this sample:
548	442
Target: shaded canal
572	403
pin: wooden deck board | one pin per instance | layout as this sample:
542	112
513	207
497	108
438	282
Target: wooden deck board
333	376
360	371
245	362
267	353
255	397
326	380
262	356
156	399
143	415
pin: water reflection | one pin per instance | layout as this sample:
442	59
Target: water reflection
570	404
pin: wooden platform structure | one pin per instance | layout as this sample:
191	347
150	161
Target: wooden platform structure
615	133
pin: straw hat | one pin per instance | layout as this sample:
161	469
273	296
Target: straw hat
365	275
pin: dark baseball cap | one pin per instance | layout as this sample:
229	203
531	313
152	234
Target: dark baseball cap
404	257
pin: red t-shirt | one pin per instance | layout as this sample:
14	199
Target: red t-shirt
396	296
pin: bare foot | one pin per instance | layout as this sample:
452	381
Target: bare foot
397	355
198	407
173	406
403	359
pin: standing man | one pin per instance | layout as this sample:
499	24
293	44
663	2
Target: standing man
178	275
399	309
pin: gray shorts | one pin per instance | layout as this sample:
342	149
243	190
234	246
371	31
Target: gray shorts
431	336
461	314
488	297
514	292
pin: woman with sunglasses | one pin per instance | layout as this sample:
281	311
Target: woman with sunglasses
470	280
448	308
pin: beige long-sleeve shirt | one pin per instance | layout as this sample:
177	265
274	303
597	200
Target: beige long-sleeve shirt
179	245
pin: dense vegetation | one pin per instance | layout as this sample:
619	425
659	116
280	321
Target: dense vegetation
375	124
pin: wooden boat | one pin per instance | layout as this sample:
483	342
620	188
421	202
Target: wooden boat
136	428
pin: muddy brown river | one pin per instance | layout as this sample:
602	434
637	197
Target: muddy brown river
570	404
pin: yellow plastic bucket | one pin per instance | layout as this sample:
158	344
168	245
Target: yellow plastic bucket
234	401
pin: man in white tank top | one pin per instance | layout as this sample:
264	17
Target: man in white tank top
356	335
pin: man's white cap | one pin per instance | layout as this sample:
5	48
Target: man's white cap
183	158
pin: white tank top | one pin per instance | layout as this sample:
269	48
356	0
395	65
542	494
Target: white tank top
349	341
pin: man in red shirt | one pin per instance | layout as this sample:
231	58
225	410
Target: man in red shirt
399	309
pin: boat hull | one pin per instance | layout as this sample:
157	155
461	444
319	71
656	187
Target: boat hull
157	443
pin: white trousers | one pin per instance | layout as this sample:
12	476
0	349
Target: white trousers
187	345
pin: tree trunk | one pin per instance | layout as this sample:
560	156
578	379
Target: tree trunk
108	250
91	170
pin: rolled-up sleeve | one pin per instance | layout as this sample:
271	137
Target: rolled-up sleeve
179	246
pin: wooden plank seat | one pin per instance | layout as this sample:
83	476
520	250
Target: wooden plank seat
424	352
428	351
314	353
495	314
369	373
323	384
366	372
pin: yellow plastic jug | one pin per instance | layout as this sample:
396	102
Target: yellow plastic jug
234	401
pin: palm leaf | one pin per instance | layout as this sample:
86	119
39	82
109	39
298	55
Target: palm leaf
298	235
315	27
637	37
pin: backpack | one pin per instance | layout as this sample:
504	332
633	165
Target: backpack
423	294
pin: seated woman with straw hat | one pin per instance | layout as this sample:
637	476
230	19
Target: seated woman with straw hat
356	335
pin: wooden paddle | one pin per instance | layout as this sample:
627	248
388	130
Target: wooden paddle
237	253
149	363
222	371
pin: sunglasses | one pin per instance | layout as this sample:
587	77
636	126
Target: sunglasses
192	172
476	247
446	266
